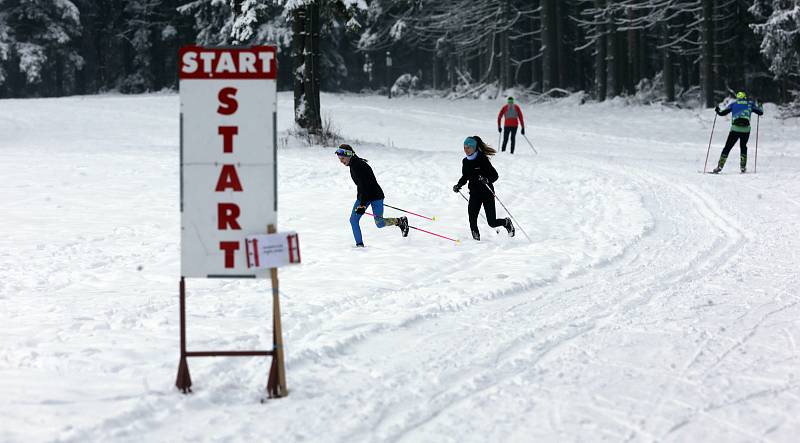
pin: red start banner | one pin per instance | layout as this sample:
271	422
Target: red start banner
257	62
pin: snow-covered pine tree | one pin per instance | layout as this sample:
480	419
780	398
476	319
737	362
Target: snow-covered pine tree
779	29
213	21
37	46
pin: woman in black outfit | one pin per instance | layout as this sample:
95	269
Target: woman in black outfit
479	172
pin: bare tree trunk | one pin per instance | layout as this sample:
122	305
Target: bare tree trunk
600	56
482	58
667	73
561	65
505	65
505	49
686	75
708	52
490	71
579	78
548	45
312	80
633	55
612	62
718	37
644	66
536	51
435	73
306	78
298	58
669	76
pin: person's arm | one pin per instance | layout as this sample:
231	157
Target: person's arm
500	115
488	170
463	180
757	109
725	111
358	179
521	119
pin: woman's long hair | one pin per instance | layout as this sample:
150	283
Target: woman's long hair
483	147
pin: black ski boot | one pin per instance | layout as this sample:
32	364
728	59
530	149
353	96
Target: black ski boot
510	228
359	245
716	170
476	235
744	170
402	222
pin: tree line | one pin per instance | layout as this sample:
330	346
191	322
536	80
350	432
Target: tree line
670	50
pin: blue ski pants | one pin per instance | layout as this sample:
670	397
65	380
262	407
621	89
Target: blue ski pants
377	210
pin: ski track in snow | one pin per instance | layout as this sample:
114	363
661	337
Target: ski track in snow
653	303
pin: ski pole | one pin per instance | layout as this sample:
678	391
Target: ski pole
508	212
419	229
755	164
409	212
709	142
530	144
497	231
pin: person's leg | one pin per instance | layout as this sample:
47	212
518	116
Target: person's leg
513	138
354	219
732	137
491	212
377	210
473	208
380	222
506	131
743	138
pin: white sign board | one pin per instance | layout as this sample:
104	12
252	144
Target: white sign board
272	250
228	157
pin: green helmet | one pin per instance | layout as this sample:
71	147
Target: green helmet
741	95
511	99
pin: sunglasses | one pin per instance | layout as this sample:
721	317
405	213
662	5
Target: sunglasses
344	153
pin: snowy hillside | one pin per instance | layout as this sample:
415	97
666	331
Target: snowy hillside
654	303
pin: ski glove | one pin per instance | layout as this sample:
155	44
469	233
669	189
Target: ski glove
483	180
716	109
361	209
499	129
523	131
456	188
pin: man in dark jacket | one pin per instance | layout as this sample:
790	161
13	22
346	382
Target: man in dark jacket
369	193
513	118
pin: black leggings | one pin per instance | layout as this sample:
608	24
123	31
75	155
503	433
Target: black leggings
506	131
742	137
486	199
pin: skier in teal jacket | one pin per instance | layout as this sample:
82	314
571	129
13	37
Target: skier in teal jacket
741	109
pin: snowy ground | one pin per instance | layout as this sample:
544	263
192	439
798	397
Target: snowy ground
654	303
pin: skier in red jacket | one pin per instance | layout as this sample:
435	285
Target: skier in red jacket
513	115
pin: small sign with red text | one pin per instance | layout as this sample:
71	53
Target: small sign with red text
266	251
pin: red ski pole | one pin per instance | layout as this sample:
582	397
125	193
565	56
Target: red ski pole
409	212
755	164
709	142
433	233
418	229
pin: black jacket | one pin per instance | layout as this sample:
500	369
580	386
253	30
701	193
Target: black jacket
366	184
471	169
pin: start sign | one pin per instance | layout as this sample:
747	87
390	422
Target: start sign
228	157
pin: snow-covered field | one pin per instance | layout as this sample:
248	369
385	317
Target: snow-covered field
654	303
